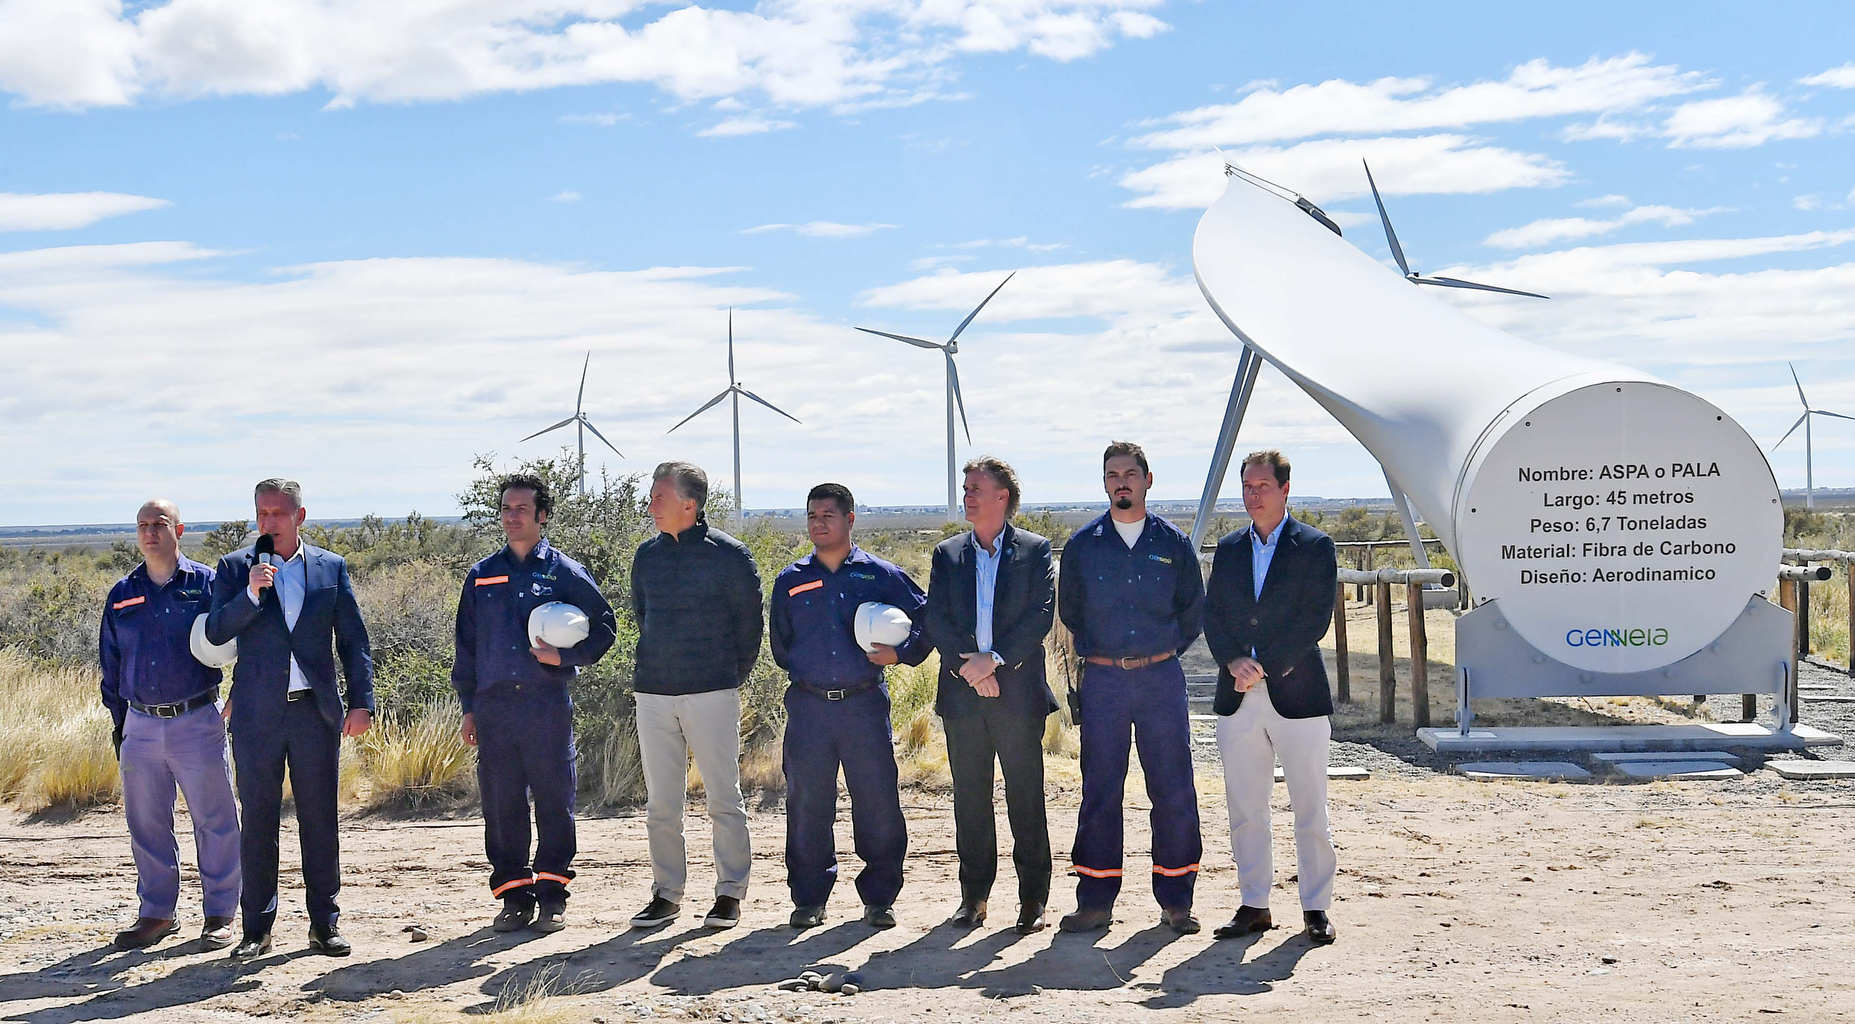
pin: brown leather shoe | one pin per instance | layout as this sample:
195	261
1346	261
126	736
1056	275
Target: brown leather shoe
1179	919
1030	918
1087	919
970	915
1248	921
216	933
1320	930
147	932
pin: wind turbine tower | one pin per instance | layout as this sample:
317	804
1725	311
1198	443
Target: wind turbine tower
734	392
948	350
1809	471
579	419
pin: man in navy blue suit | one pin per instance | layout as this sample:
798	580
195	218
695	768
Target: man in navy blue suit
292	610
1267	606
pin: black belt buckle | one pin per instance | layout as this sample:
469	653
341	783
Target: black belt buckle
836	694
295	695
168	710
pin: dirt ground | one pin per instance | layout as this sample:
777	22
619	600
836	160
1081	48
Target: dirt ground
1457	901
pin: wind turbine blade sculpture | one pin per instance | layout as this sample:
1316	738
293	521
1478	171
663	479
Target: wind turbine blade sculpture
579	419
1397	253
734	392
956	403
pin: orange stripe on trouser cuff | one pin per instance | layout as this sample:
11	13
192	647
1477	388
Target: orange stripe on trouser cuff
1175	872
1098	872
548	876
506	886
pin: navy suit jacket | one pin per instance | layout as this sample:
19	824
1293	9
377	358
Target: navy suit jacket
1284	626
329	623
1023	608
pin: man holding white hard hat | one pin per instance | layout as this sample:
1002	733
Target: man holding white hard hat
169	731
837	707
528	619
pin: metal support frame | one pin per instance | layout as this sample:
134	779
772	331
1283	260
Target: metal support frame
1247	368
1410	521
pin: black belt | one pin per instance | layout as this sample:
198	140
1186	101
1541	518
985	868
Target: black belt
296	695
179	707
835	694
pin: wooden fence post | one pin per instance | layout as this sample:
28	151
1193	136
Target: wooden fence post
1848	574
1367	593
1387	662
1420	651
1342	669
1803	616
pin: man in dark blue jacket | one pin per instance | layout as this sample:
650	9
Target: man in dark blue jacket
1131	593
837	711
513	688
991	599
292	609
169	732
695	592
1270	601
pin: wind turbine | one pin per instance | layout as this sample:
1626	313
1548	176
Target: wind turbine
1809	473
734	392
948	350
579	417
1397	253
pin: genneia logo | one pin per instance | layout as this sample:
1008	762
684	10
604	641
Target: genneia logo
1651	636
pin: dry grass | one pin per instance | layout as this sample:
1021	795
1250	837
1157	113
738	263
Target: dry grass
418	759
537	999
55	750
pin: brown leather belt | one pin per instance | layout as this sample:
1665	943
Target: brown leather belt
1130	663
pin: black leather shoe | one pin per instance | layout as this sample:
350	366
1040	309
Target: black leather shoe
516	913
1087	919
1179	919
216	933
879	917
970	915
1248	921
552	916
252	946
806	917
726	913
146	932
1319	931
1030	918
329	941
657	911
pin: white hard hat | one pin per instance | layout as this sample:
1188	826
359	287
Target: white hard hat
558	624
210	654
879	623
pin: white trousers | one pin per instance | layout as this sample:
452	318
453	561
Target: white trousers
670	729
1251	741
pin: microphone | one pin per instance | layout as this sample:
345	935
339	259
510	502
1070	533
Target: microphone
263	552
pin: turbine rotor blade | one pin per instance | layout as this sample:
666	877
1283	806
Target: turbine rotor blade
905	339
953	379
1791	431
1837	415
749	395
1397	251
597	434
1794	380
731	344
976	309
1456	282
706	406
578	400
544	430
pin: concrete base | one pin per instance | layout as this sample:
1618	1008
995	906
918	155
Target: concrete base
1809	770
1548	771
1334	772
1678	770
1720	736
1826	698
1612	758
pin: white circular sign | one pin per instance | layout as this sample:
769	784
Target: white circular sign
1621	526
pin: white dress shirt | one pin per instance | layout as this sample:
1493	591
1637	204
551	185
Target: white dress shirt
291	584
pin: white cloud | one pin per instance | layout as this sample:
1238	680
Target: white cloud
1328	170
1608	129
604	120
63	211
789	53
1561	229
745	126
1018	242
1603	201
1751	118
820	229
564	197
1534	89
1837	78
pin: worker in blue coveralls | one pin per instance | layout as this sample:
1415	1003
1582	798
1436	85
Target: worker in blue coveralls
1132	595
517	711
837	711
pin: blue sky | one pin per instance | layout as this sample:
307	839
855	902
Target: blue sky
309	238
